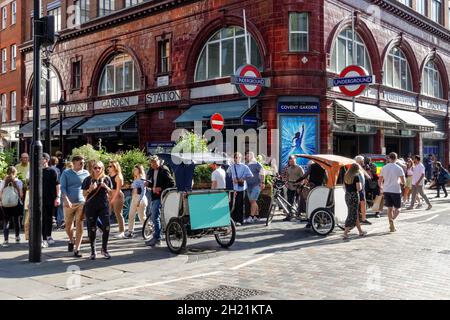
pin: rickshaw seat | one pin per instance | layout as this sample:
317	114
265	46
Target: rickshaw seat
317	198
171	204
340	206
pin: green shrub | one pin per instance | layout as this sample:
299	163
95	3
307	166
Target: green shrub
202	173
88	152
128	160
190	143
3	165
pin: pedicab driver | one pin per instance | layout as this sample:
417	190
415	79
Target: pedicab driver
159	179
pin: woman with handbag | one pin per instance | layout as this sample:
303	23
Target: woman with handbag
353	187
96	189
11	193
442	179
139	201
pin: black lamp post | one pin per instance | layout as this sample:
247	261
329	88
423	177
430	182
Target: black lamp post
61	109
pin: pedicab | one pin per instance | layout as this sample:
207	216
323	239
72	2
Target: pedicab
325	205
187	213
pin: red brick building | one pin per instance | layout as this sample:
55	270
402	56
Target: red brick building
133	72
11	90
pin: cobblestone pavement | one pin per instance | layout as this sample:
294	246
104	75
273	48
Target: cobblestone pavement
282	261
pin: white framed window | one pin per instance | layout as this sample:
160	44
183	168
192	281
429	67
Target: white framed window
105	7
224	53
13	106
13	12
436	11
407	2
13	57
4	17
421	7
342	54
4	60
119	75
164	56
57	14
55	88
298	32
431	81
82	11
396	70
3	100
129	3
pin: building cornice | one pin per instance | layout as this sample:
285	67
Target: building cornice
119	17
413	17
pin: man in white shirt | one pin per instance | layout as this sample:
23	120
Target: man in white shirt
217	177
391	178
417	183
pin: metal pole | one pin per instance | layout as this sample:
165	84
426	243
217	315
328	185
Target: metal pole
36	149
353	54
48	141
247	51
61	146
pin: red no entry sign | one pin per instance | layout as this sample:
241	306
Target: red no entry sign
353	80
249	81
217	122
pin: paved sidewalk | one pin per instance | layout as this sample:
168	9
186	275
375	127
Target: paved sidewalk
282	261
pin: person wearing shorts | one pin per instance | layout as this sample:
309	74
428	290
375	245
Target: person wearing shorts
255	185
390	176
73	202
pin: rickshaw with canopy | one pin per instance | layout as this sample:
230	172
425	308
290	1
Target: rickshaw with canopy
193	213
325	205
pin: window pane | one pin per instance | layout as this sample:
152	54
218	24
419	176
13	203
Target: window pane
201	67
342	53
119	78
103	83
389	71
227	57
397	75
213	60
128	74
255	57
227	33
404	76
137	81
109	79
240	52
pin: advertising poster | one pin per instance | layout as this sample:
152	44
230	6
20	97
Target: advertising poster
298	135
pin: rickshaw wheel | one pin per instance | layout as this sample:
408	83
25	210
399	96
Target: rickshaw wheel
176	235
322	221
148	228
227	242
271	213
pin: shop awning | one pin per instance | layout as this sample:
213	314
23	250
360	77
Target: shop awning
412	120
230	110
111	122
27	130
67	124
364	114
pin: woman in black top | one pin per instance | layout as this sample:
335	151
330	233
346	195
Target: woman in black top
352	188
96	190
117	198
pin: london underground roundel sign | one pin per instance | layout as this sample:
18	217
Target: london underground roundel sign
353	80
249	81
217	122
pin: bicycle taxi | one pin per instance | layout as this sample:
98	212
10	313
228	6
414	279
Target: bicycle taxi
325	205
193	213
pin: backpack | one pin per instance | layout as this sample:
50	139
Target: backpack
10	197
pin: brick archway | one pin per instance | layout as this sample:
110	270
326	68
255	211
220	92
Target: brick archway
408	51
436	58
103	60
209	29
366	35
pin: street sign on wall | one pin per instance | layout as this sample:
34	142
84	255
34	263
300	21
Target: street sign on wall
248	81
353	80
217	122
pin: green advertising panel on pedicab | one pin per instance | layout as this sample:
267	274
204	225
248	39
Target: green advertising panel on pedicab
209	210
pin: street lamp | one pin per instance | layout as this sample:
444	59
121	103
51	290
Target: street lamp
61	109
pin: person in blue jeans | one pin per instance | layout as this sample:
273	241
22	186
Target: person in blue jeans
159	179
255	186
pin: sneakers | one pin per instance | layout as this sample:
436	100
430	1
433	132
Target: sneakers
249	220
128	235
17	239
77	254
238	224
419	206
106	254
44	244
120	236
5	244
377	215
50	241
70	247
255	219
363	234
153	243
429	207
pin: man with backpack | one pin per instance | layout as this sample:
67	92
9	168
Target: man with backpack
442	179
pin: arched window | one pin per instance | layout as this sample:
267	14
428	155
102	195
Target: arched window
397	73
431	81
342	54
119	75
55	87
224	53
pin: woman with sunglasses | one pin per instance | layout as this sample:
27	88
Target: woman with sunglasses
96	189
117	199
139	201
